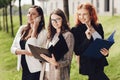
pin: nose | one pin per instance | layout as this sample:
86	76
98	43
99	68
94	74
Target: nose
81	16
29	15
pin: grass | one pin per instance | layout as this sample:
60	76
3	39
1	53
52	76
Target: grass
8	61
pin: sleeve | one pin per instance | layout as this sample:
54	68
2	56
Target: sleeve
40	41
68	56
100	30
80	43
15	44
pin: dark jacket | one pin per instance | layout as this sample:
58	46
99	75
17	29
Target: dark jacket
87	65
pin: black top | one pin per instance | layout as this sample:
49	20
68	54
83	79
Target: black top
87	65
23	60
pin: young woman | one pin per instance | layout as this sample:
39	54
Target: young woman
33	33
58	70
86	30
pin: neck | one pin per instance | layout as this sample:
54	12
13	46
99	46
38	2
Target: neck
58	30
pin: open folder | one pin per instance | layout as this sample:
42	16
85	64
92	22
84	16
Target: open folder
58	50
94	48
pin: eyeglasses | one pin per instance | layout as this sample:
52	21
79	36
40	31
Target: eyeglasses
56	20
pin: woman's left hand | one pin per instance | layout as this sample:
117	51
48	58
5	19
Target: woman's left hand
104	51
50	59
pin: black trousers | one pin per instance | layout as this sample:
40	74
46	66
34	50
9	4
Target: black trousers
98	75
26	74
31	76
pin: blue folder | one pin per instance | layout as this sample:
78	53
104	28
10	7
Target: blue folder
93	51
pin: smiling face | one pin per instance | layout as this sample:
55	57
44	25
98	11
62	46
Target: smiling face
56	21
84	16
32	14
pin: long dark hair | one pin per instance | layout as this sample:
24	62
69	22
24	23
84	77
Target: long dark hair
41	23
64	28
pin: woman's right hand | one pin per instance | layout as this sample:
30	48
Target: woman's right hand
36	23
35	26
88	33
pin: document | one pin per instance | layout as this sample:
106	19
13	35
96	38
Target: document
94	48
58	50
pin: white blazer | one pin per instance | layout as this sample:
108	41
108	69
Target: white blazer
33	64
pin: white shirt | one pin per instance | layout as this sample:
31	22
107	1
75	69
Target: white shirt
96	35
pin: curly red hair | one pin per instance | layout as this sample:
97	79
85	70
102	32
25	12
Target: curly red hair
91	10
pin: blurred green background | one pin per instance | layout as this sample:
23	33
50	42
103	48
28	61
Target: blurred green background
8	60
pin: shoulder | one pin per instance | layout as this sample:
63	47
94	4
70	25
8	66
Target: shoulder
20	29
99	25
68	34
22	26
43	33
77	28
74	28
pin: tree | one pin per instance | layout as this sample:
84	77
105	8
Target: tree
66	8
7	29
4	5
33	2
11	19
20	13
112	7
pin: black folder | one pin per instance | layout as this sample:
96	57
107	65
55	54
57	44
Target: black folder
59	49
93	51
36	51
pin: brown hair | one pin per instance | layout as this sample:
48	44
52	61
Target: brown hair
41	23
64	28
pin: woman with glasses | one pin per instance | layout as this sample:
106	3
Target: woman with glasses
58	69
33	33
86	30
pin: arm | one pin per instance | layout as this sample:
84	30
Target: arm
15	44
68	56
15	48
81	43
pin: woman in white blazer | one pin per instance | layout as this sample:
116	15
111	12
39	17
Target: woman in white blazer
33	33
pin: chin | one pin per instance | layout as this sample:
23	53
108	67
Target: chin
83	22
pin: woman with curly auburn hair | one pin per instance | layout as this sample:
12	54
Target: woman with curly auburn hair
86	30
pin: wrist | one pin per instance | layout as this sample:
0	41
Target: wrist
57	65
34	33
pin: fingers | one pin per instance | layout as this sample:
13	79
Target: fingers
53	57
45	57
88	33
104	51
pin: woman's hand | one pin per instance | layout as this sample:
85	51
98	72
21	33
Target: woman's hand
25	52
104	52
35	26
50	60
36	23
88	34
89	30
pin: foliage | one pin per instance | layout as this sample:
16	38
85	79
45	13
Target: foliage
8	61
